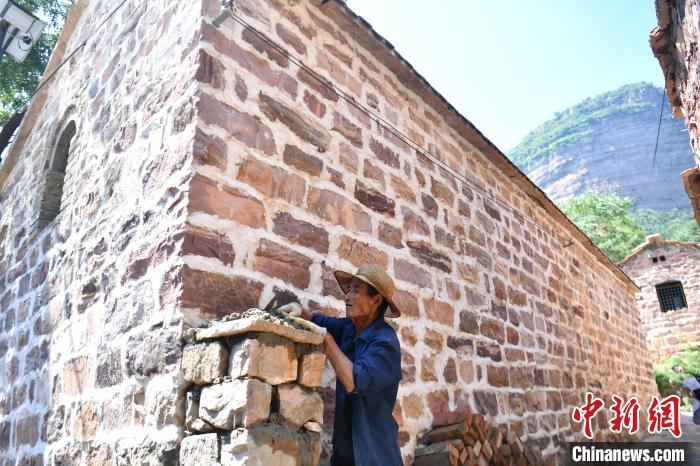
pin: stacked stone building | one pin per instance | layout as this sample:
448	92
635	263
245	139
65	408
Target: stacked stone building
668	275
175	171
675	43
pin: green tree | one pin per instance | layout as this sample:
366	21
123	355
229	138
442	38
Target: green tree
20	80
607	220
673	224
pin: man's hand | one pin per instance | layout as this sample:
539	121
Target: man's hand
295	310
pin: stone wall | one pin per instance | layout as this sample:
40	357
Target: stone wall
251	399
672	331
675	44
89	320
293	180
208	172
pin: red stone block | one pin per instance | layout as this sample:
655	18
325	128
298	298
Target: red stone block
209	150
439	311
405	270
217	293
299	159
206	243
347	129
226	203
338	210
407	303
242	126
273	181
358	252
301	232
290	38
278	261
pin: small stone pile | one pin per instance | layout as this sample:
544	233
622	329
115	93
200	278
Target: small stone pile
474	442
252	398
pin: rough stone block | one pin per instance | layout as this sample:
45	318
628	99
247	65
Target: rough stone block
454	431
267	357
270	444
204	362
311	369
235	404
200	450
297	405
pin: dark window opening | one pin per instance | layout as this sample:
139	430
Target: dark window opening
662	258
55	177
655	260
671	296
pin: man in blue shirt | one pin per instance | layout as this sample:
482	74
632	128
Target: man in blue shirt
365	353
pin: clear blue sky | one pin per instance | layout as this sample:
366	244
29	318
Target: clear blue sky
508	65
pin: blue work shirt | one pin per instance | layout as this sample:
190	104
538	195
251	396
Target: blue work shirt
369	434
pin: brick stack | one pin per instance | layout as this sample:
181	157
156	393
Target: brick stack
474	442
252	400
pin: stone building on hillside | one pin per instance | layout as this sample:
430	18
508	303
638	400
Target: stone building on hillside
675	42
668	276
174	171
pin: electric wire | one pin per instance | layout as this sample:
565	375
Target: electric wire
82	44
658	130
388	126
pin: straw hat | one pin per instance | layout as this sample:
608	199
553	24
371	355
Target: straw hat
375	276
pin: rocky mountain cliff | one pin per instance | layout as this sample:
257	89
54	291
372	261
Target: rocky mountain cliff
606	144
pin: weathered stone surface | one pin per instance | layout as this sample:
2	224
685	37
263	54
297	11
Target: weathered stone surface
267	357
311	369
210	71
384	154
275	182
152	352
109	369
359	252
348	129
338	210
206	243
301	232
426	253
439	311
278	261
218	294
305	129
454	431
374	199
240	403
298	405
256	324
200	450
270	444
225	202
259	66
299	159
290	38
203	362
244	127
76	376
209	150
411	273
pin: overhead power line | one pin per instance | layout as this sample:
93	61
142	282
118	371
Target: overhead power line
82	44
658	129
